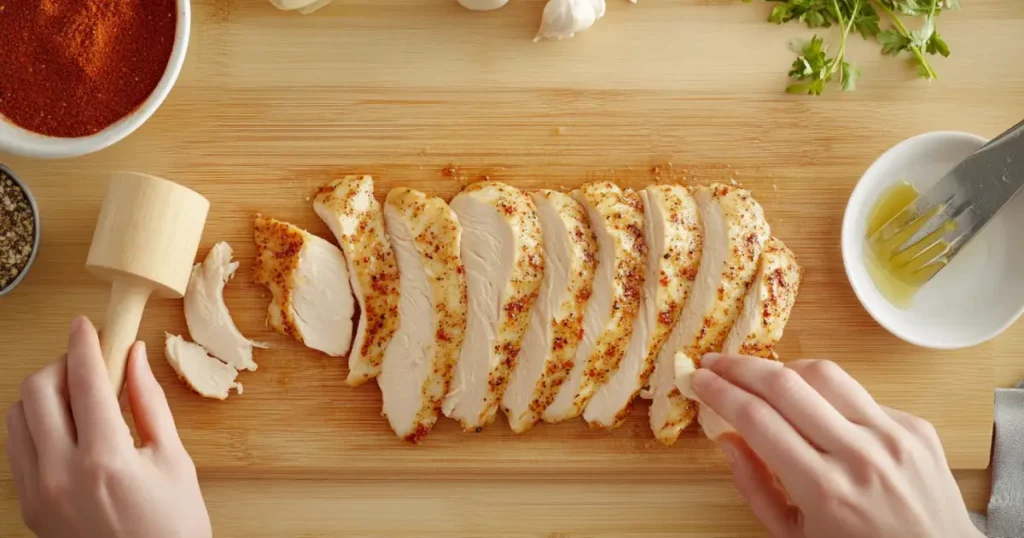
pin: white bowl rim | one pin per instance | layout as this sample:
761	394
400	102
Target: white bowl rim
847	229
19	141
37	235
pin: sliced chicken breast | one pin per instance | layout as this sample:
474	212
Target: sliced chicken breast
765	313
768	304
209	377
556	322
418	362
312	301
674	239
617	218
501	248
735	232
357	222
207	315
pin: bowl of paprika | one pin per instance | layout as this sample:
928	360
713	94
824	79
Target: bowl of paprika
86	73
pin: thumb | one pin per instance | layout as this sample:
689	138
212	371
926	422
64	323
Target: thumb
153	419
758	486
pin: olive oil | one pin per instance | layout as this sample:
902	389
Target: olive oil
899	275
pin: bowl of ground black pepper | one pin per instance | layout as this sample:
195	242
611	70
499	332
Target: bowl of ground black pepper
19	230
77	76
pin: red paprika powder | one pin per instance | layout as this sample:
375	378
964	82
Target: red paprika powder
71	68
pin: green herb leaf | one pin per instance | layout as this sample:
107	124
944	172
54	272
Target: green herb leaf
892	42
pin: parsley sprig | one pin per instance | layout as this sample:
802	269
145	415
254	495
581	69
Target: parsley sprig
814	68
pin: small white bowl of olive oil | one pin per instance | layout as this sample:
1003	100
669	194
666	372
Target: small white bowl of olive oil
970	301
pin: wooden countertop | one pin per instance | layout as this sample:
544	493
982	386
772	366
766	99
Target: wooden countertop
271	105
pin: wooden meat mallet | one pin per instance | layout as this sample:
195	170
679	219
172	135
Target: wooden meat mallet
145	242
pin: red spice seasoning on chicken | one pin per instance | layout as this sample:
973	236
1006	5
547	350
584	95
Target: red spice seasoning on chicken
71	68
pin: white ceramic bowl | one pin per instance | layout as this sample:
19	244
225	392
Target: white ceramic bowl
974	299
14	139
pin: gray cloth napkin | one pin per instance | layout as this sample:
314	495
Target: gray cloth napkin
1006	507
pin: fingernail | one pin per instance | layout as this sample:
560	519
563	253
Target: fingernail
140	352
709	359
731	451
77	324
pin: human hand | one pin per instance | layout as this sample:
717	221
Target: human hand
816	456
77	468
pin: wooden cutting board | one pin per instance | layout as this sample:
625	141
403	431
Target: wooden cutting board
422	93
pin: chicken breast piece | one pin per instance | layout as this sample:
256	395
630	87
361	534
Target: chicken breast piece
765	313
556	322
312	300
417	368
617	218
207	315
209	377
504	259
674	239
735	232
357	222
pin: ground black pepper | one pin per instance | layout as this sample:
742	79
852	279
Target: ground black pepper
17	230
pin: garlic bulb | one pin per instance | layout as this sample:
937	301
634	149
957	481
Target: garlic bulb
563	18
482	5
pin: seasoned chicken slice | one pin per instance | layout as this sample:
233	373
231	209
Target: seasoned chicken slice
617	217
207	315
735	232
418	363
501	248
768	304
762	320
674	238
209	377
556	322
357	221
312	300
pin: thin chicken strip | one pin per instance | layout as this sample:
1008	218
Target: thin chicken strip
617	218
355	218
501	248
674	239
207	376
417	368
207	316
766	311
312	301
735	232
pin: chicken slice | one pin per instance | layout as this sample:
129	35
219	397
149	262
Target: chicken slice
763	319
556	323
768	304
735	232
357	221
617	217
312	300
209	377
674	238
418	363
501	247
207	315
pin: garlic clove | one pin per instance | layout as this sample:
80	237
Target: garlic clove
482	5
562	19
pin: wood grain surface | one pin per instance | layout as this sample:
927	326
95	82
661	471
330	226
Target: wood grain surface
422	93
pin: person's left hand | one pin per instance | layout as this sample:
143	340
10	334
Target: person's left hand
76	466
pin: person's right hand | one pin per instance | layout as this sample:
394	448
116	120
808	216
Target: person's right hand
76	467
816	456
